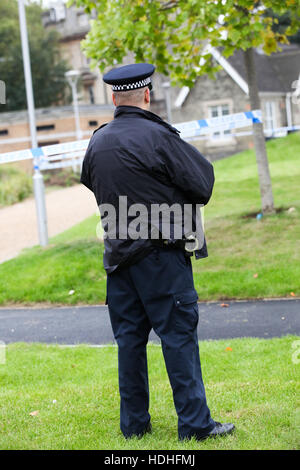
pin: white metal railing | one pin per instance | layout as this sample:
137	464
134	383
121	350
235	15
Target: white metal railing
72	153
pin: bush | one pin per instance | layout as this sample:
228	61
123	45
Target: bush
15	185
63	177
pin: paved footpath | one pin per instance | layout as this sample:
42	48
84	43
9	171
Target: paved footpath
65	208
90	324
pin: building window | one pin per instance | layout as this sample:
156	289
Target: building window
93	123
3	132
50	142
270	115
220	110
83	20
47	127
91	94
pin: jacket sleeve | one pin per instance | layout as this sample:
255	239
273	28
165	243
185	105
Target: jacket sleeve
85	177
86	173
187	168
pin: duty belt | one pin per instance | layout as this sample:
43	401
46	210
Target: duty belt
169	244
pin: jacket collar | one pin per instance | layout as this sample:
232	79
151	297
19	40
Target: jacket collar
131	110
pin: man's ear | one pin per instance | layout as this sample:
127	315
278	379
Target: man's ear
114	99
147	95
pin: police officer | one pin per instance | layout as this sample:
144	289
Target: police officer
142	159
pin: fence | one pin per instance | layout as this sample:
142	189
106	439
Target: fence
50	156
72	153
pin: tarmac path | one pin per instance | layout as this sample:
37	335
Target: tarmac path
91	325
65	208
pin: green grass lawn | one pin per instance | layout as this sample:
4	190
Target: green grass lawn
74	391
248	258
251	382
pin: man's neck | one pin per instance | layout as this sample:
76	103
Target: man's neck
145	107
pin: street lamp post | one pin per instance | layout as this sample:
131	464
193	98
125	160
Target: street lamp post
167	88
38	182
72	78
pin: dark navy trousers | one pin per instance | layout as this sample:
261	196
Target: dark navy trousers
158	292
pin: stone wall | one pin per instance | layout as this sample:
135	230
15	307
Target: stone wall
54	125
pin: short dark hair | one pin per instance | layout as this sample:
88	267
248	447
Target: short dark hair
130	96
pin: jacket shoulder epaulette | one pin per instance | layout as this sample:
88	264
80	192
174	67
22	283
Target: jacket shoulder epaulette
102	125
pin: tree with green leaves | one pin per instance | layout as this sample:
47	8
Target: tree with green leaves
47	67
174	35
281	23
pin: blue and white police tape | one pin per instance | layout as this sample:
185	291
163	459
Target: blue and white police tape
65	147
63	164
15	156
187	129
41	154
46	157
269	133
226	122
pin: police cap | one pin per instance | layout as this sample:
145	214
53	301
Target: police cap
130	77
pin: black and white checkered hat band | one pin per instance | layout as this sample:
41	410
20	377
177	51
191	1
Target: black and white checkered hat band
132	86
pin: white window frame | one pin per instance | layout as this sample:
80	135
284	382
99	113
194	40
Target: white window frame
224	137
270	120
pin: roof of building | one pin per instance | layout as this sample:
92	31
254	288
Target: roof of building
275	72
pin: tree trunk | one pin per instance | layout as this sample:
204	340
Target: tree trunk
259	138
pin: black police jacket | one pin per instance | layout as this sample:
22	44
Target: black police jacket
140	156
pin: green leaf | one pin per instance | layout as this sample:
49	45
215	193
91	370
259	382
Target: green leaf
153	29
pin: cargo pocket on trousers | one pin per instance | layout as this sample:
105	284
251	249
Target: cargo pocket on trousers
186	311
